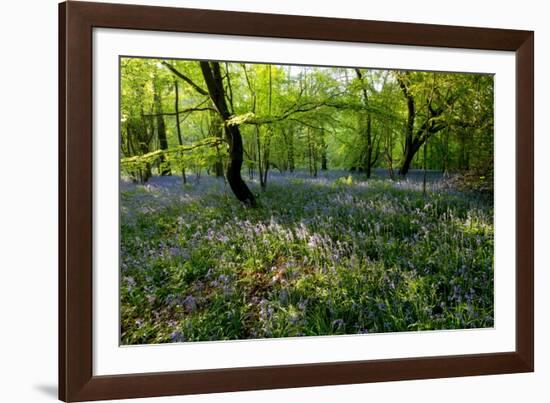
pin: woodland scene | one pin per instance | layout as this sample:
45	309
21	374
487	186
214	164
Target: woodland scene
263	200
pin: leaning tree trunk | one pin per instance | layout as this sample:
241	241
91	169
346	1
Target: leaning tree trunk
213	79
236	182
410	152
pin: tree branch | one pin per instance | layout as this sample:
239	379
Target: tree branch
180	112
184	78
149	157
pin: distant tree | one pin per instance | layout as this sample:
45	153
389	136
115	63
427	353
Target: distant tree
160	125
426	105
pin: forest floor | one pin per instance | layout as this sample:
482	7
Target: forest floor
336	254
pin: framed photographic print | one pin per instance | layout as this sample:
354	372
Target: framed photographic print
252	201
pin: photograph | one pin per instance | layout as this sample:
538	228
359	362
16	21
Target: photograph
267	200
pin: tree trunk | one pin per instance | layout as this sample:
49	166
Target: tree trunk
178	129
216	130
409	128
258	132
413	141
424	167
267	145
161	132
446	156
236	182
324	159
369	145
252	156
367	158
464	154
213	80
143	145
310	152
289	140
410	151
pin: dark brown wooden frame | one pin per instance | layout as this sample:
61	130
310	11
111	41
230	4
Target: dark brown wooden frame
76	22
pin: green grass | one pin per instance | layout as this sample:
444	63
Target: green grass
318	257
